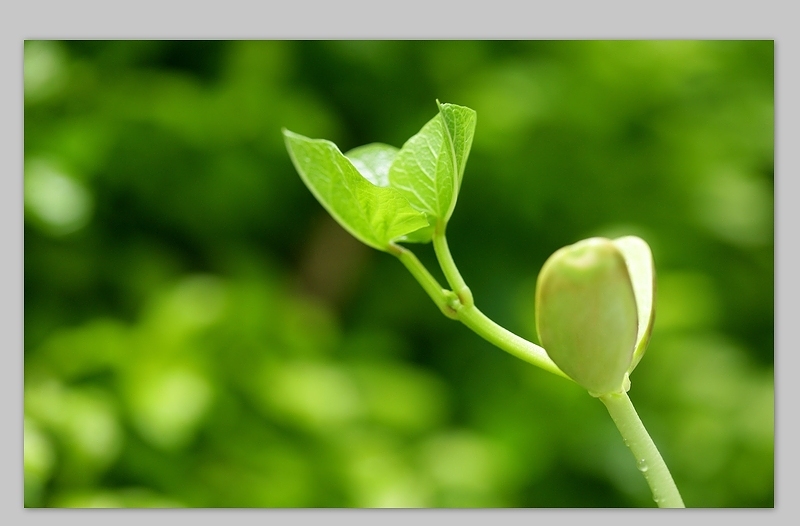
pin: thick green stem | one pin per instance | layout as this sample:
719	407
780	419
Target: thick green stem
648	459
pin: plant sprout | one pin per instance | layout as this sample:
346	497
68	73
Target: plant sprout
595	299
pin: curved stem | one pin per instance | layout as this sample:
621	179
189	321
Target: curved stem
648	459
454	306
507	340
449	268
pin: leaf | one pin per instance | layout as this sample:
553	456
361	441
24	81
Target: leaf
375	215
641	268
586	314
373	161
429	167
460	123
423	235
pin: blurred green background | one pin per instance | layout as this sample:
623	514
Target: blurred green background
198	331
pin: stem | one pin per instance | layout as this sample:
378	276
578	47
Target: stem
464	309
648	459
449	268
444	299
507	340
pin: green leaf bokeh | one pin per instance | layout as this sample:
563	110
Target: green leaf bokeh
199	332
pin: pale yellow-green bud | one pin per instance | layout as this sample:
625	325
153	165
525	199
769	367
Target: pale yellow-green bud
586	310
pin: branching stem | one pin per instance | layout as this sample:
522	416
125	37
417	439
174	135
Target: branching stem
453	306
459	305
444	299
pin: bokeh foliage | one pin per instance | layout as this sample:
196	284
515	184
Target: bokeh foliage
198	332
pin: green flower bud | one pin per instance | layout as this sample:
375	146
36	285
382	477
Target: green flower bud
587	314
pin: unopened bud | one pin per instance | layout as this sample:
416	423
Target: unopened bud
586	314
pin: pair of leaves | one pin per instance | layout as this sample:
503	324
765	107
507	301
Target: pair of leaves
595	310
381	194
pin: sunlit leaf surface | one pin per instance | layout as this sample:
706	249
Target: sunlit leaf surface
375	215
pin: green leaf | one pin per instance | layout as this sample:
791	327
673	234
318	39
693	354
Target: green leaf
423	235
641	268
373	161
375	215
586	314
460	123
429	167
